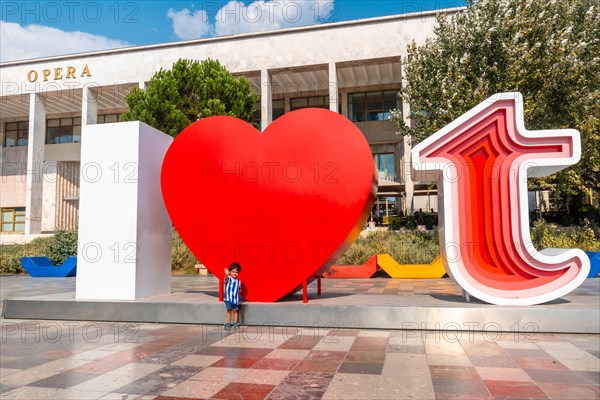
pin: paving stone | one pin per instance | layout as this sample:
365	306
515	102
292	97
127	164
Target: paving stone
174	362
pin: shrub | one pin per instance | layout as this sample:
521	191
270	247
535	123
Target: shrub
62	246
429	221
411	223
406	247
586	237
182	259
10	254
590	213
10	259
394	223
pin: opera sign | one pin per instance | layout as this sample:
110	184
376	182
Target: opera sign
56	74
482	161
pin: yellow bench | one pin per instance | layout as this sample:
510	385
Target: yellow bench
435	270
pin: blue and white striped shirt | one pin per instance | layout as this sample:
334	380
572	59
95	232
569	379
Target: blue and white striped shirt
232	290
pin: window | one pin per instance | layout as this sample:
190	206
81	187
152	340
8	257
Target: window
256	117
63	130
372	106
108	118
13	219
305	102
386	166
278	108
16	134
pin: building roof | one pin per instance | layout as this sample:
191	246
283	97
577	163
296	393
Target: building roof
330	25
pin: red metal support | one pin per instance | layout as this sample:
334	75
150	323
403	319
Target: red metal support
304	292
319	285
221	283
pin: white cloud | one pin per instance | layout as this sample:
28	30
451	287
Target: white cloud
23	42
236	17
262	15
190	26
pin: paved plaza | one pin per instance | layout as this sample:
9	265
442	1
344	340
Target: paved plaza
42	359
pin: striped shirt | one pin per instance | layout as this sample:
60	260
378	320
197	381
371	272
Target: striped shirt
232	290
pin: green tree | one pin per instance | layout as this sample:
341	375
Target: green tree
189	91
549	50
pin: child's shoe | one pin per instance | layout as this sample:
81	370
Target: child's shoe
227	326
235	326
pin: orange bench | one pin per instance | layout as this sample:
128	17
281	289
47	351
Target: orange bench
366	270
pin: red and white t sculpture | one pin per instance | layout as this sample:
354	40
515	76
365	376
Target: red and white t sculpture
482	161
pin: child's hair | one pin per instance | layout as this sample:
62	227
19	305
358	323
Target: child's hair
235	265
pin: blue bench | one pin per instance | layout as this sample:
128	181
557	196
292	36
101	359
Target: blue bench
43	267
594	263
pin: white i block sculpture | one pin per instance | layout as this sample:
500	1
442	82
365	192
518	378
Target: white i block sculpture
124	244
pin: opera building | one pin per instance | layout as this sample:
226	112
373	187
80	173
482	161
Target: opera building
353	67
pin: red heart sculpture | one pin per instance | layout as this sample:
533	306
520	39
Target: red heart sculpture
285	203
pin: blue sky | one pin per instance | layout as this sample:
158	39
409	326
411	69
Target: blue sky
31	29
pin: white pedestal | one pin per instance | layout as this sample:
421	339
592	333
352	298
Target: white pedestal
124	249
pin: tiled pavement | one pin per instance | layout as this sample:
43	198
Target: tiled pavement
79	360
91	360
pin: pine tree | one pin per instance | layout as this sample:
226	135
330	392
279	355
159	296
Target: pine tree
189	91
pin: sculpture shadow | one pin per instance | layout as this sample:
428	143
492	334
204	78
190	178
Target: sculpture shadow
453	298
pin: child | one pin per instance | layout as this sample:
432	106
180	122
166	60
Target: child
232	294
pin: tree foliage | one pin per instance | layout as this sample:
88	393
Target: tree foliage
549	50
189	91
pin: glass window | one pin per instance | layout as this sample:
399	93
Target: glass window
315	102
77	134
63	130
10	139
256	117
108	118
278	109
372	106
16	134
13	219
299	103
53	135
66	134
386	166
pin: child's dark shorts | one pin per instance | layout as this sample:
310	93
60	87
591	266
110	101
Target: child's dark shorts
231	306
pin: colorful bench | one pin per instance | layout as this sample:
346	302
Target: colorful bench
435	270
366	270
594	263
43	267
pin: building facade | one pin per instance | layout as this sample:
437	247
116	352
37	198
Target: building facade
354	68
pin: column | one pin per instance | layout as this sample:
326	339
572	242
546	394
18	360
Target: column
344	94
333	88
406	158
266	99
2	125
89	106
35	162
143	85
